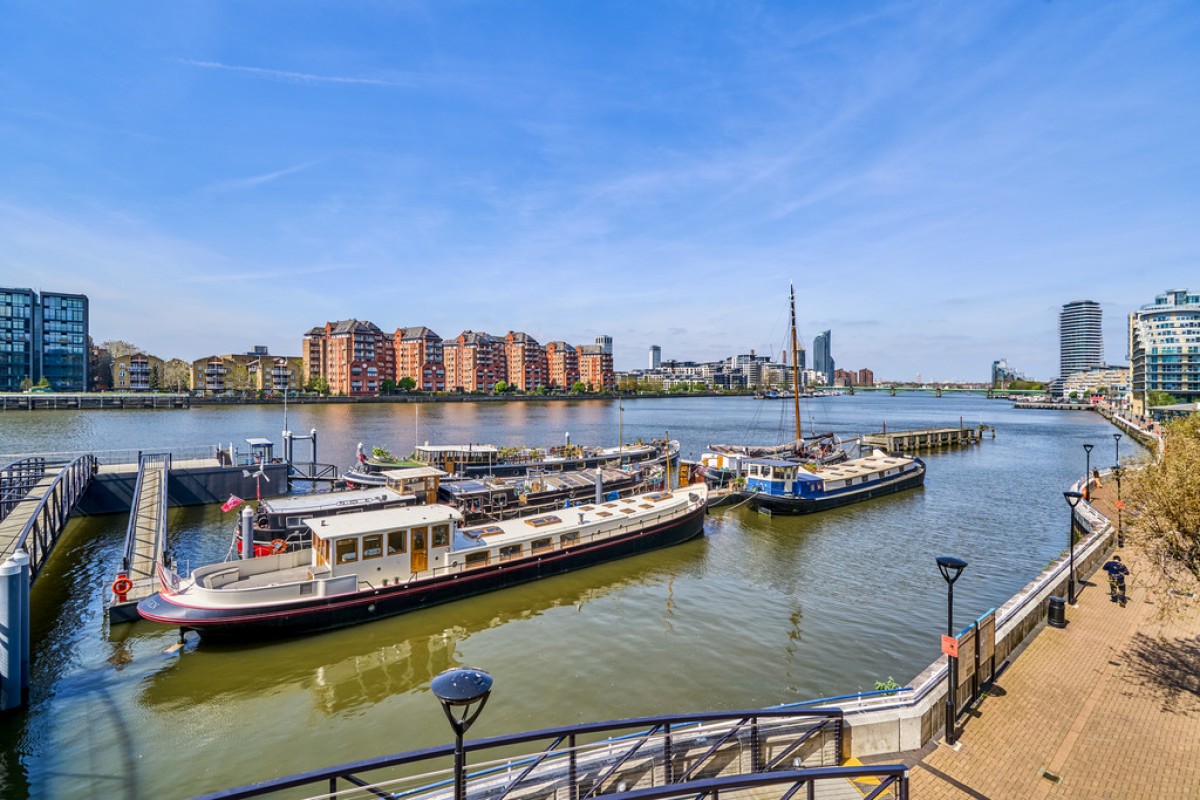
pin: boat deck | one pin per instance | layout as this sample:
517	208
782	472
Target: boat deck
860	467
290	575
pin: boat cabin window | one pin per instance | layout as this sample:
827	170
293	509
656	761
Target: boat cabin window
322	548
476	559
345	551
372	546
419	538
510	551
396	541
441	535
294	522
568	538
539	545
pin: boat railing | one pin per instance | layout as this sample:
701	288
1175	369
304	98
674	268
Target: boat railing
647	757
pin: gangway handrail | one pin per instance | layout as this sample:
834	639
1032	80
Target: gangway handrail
47	521
17	478
146	461
327	776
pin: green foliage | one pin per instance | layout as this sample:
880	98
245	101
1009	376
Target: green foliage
44	383
26	384
388	386
502	387
406	384
889	685
1023	385
1074	395
579	388
381	453
1161	399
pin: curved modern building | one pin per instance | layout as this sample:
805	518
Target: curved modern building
1164	348
1081	339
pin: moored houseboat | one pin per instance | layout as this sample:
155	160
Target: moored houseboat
380	563
495	498
785	487
473	460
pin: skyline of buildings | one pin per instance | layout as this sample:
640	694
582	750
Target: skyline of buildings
1164	348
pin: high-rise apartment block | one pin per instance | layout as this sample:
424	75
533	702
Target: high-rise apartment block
1164	349
43	336
823	363
474	361
655	356
605	344
1081	339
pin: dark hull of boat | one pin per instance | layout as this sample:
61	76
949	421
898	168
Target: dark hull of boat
802	505
321	614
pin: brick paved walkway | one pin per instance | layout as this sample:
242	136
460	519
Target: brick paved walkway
1108	706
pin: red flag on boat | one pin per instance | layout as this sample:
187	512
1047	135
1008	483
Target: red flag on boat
233	502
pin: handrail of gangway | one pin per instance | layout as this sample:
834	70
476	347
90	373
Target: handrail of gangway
17	478
45	524
325	775
145	460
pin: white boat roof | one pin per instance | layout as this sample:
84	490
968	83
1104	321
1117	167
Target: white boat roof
388	519
458	448
866	465
302	503
408	473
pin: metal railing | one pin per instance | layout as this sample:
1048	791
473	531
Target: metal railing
141	527
48	519
17	479
653	756
123	456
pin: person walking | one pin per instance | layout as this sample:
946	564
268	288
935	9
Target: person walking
1116	580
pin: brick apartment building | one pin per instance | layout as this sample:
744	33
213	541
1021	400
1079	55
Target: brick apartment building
596	368
354	357
419	356
526	361
562	365
474	362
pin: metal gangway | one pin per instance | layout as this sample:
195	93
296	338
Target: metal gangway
36	500
145	538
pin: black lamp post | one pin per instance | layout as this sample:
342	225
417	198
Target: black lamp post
1117	446
462	687
1120	505
1087	473
1073	499
951	568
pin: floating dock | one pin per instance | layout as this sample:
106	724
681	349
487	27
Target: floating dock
926	439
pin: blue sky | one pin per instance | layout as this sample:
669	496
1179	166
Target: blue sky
937	178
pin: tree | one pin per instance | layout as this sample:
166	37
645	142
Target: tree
1163	512
1074	395
320	386
177	375
44	383
501	387
406	384
156	378
1157	398
579	387
26	384
119	349
387	387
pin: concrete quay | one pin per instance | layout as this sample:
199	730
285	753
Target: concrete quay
1106	707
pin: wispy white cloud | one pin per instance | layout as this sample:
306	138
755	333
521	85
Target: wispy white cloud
292	76
240	184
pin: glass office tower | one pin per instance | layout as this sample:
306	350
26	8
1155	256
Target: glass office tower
43	336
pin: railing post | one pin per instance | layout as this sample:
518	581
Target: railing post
668	765
837	736
755	757
572	771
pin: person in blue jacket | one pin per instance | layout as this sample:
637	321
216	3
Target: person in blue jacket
1116	579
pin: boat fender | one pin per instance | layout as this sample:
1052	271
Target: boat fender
121	587
278	545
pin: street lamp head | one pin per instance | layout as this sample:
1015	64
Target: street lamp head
1117	436
1073	498
951	568
461	686
1088	447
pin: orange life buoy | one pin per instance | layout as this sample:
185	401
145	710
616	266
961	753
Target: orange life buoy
121	587
278	545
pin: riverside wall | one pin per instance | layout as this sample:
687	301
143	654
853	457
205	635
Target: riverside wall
879	725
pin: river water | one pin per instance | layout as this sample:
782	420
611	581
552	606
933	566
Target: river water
759	611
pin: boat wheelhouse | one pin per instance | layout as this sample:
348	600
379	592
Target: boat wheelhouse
380	563
787	487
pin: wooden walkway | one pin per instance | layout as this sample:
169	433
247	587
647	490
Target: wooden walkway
12	525
907	441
